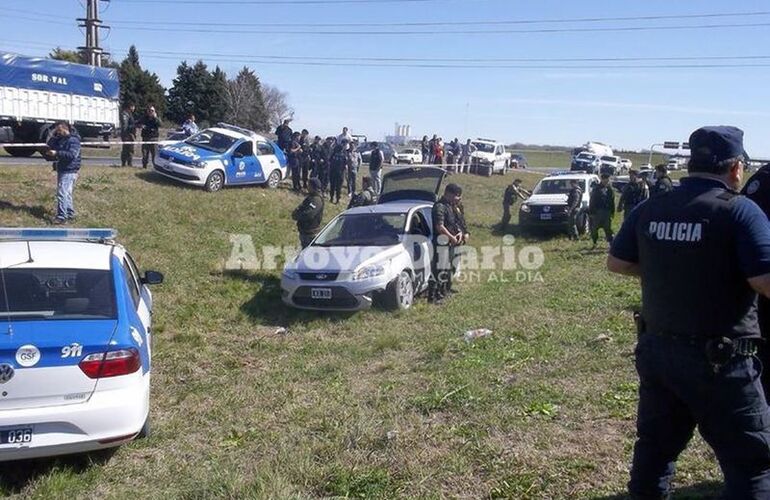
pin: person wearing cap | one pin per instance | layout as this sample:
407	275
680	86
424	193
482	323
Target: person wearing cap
601	209
447	235
663	183
574	202
702	252
512	194
309	214
633	193
150	133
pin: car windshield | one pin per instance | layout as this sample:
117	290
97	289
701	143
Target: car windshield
586	156
484	147
552	186
43	294
363	230
610	159
212	141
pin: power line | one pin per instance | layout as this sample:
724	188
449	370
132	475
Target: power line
280	2
474	23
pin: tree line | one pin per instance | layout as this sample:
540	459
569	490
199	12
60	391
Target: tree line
210	95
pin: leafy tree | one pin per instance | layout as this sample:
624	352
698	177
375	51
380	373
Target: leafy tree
246	103
197	90
138	86
72	56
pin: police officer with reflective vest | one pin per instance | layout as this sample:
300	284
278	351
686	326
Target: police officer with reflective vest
663	183
702	252
447	235
601	209
574	201
309	214
757	189
635	192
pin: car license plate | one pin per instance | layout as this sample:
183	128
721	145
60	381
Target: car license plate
546	216
321	293
16	436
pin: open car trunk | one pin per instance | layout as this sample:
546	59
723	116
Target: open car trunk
412	184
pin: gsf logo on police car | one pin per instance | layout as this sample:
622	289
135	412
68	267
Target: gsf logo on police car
27	355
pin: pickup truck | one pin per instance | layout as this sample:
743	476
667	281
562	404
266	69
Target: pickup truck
490	158
35	93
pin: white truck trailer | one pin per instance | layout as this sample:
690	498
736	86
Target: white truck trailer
35	93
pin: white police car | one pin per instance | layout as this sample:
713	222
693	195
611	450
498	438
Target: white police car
380	251
547	207
74	342
221	156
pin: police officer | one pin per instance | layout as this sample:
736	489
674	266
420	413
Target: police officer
284	136
701	252
601	208
295	159
635	192
309	214
304	162
315	157
323	175
127	134
337	169
574	201
376	159
447	235
513	193
663	182
150	134
757	189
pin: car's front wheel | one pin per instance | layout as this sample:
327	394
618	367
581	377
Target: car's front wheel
400	292
215	181
274	179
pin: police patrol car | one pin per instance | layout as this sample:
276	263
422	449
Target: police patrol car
74	342
547	207
222	156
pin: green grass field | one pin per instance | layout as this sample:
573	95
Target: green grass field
370	405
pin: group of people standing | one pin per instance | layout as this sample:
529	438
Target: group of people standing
149	124
334	162
436	152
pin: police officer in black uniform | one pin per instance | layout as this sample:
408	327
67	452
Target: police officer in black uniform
757	189
304	161
702	252
309	214
295	160
574	201
601	208
663	183
635	192
447	235
512	194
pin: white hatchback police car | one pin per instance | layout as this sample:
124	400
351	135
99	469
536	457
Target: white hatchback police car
224	155
74	342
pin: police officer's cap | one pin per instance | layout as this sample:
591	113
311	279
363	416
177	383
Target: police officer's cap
314	184
711	145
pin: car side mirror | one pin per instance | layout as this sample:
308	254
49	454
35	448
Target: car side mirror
152	278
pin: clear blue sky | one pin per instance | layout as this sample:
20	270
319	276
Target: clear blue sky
625	107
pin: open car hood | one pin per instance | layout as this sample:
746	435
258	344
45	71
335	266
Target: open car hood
412	184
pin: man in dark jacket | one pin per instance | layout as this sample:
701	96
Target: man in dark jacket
337	171
574	201
284	135
513	193
375	168
304	143
64	151
447	234
663	182
635	192
295	158
150	133
127	134
309	214
601	208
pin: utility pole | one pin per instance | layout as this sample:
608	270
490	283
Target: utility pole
92	24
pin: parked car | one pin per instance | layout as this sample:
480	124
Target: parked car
609	165
388	152
547	207
519	161
369	253
489	158
586	162
674	164
625	165
75	357
221	156
409	156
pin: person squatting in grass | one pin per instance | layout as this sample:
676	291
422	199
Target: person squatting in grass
702	252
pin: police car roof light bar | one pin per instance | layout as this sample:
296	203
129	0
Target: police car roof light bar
58	234
236	129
